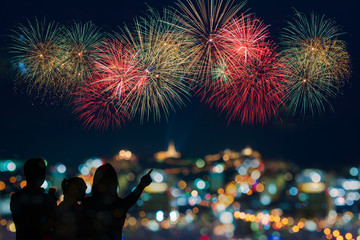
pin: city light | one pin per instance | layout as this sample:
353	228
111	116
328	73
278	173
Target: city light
7	166
158	177
61	168
245	192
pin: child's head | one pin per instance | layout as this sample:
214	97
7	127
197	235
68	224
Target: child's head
74	188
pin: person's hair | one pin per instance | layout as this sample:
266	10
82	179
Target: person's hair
67	183
105	181
35	169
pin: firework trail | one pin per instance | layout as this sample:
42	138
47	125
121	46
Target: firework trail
319	60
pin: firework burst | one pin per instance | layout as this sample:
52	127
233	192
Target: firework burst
37	51
250	91
320	62
310	88
118	67
242	38
104	100
248	78
79	52
201	23
96	107
162	57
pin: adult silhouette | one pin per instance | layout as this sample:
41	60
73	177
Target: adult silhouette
67	213
105	212
32	209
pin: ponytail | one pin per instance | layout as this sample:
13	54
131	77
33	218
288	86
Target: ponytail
64	185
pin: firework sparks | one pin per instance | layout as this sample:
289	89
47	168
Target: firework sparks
53	60
203	46
162	56
80	43
248	78
201	23
319	60
104	100
242	37
37	50
250	91
96	107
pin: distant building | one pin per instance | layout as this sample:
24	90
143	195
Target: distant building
170	153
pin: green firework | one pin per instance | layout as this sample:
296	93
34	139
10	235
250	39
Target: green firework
319	60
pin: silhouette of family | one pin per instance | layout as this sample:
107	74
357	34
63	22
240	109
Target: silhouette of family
100	216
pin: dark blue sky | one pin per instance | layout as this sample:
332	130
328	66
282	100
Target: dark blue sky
29	129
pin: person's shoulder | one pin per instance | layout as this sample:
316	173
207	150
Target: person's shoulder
18	198
18	194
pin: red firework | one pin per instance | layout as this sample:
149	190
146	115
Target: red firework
249	79
250	91
104	100
243	38
119	68
96	106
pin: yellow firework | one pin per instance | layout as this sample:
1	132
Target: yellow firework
81	41
37	51
161	54
201	22
329	55
320	62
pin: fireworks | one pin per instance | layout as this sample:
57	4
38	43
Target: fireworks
104	99
144	73
118	67
310	88
80	43
162	57
249	79
201	23
250	91
96	107
242	38
37	51
148	70
54	59
320	62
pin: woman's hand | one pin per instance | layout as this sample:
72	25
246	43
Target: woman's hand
146	179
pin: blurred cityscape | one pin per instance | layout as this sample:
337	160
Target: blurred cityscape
227	195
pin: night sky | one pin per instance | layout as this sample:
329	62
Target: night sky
29	128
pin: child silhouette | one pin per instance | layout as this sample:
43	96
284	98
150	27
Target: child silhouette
67	213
